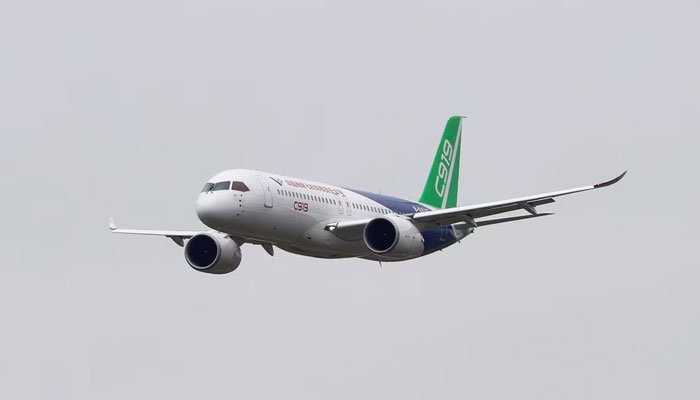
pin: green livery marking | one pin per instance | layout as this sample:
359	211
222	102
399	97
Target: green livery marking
440	190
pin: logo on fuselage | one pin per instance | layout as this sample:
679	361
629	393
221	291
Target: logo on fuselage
443	168
277	180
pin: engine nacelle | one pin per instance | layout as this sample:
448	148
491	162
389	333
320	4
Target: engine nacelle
393	237
212	252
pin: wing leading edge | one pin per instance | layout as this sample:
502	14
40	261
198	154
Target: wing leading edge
177	236
469	214
352	230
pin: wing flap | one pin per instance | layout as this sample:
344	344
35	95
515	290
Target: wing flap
469	216
352	230
510	219
464	214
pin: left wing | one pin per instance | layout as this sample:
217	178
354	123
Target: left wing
177	236
352	230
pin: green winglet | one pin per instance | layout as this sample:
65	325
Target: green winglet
443	181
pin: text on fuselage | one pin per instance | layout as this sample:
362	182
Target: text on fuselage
301	206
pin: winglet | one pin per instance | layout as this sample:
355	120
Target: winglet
112	225
610	182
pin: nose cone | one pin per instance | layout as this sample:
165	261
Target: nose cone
213	209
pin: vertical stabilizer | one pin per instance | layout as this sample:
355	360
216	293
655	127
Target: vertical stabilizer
441	188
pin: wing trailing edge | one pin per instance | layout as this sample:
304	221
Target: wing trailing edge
469	215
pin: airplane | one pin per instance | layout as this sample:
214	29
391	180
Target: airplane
326	221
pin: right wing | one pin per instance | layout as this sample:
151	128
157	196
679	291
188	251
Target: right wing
467	214
353	229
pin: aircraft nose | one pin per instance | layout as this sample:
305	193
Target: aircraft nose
211	209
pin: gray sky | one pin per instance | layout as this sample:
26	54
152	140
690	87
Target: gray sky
125	108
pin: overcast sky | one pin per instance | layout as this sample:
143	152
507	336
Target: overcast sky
126	108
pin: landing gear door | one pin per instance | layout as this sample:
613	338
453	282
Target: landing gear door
266	189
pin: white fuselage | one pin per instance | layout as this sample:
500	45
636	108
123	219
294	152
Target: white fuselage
292	213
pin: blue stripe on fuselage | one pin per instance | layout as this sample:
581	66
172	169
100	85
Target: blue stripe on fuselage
433	239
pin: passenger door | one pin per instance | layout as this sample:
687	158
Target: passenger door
340	204
266	189
347	205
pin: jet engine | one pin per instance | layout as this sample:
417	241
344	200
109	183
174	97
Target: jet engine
393	237
212	252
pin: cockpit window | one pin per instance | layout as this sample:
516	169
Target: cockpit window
207	187
221	185
240	186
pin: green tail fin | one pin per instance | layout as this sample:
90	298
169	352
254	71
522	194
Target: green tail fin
441	188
